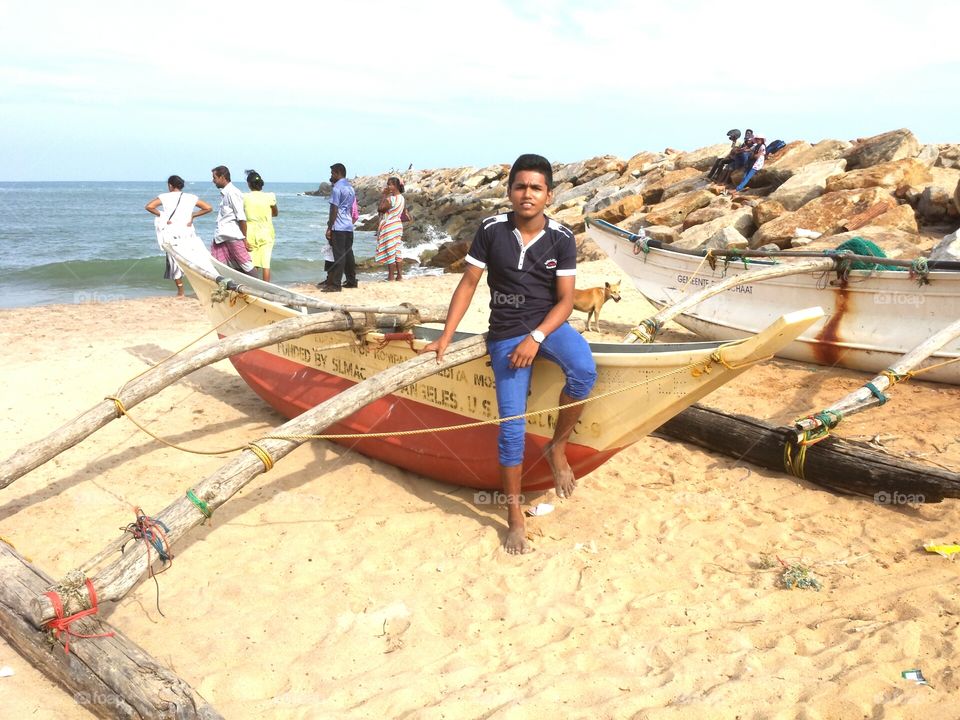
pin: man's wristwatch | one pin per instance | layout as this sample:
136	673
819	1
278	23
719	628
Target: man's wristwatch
537	336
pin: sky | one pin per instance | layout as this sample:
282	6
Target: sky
138	91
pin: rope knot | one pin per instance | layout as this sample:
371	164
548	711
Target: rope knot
60	625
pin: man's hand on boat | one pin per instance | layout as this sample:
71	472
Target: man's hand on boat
439	346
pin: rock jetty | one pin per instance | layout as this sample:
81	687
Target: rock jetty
889	188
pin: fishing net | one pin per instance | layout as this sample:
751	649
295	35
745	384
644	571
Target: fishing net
862	246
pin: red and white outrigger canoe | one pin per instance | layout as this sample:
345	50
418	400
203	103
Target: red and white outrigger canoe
655	382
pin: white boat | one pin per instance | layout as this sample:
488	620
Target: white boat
870	321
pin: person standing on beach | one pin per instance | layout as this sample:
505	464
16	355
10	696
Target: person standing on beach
532	265
230	237
175	214
260	208
390	231
340	231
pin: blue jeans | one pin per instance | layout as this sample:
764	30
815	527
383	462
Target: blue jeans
564	346
746	178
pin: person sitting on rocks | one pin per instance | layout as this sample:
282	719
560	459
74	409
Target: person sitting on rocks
759	155
725	160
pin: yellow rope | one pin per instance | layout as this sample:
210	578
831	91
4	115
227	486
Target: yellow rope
263	455
706	257
716	356
913	373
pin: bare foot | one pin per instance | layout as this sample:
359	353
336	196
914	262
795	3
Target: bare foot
563	475
516	541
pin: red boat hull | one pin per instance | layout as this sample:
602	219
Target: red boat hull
460	457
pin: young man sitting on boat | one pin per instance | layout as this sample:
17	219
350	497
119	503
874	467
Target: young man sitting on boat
532	264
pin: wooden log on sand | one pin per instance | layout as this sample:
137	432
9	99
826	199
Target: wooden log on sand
111	677
157	378
647	330
842	465
116	579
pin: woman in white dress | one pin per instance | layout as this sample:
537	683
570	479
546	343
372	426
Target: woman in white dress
175	211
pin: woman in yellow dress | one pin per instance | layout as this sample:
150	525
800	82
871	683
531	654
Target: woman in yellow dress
260	208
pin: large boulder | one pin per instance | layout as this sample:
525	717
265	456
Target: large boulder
796	156
685	186
956	197
948	248
703	158
620	210
936	203
890	175
585	190
587	170
675	210
901	217
882	148
611	195
449	253
656	182
808	183
571	217
636	164
825	214
948	155
717	208
727	238
487	175
695	237
664	234
766	211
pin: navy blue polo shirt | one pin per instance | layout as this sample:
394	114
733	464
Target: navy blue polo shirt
522	280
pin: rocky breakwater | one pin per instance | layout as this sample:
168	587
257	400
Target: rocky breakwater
889	188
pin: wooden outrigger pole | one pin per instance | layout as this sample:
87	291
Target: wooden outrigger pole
157	378
116	579
647	330
111	676
871	394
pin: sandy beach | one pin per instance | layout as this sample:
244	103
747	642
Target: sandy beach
338	586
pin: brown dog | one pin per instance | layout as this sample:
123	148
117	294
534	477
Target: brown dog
592	299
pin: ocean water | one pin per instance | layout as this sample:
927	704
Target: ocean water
83	242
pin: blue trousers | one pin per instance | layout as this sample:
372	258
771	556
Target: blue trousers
746	178
564	346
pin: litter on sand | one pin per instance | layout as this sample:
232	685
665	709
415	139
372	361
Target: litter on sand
541	509
6	671
946	550
915	675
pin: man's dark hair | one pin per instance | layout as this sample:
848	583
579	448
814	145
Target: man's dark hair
175	181
339	168
222	171
536	163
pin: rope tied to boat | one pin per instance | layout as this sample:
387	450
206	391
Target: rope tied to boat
920	271
153	534
794	461
201	505
876	392
264	456
646	332
406	337
639	240
71	589
227	292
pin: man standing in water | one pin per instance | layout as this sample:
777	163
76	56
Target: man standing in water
340	231
230	237
532	265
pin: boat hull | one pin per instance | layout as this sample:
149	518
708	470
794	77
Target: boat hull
641	386
869	322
